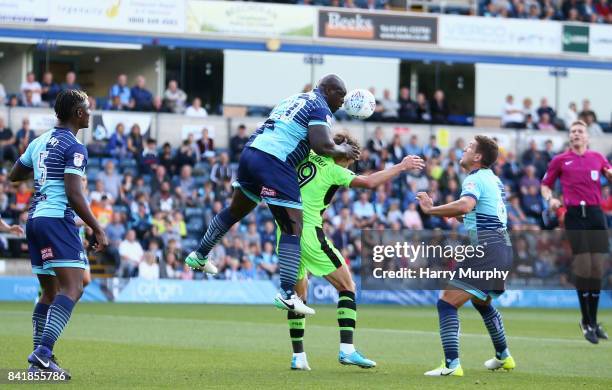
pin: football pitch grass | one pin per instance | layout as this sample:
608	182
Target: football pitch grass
228	346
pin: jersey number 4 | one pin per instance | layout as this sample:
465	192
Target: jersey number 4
43	168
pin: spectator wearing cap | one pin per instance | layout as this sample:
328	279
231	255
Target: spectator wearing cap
237	143
122	90
196	109
49	89
175	98
30	84
70	82
141	98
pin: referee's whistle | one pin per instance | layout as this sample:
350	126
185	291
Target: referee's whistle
583	208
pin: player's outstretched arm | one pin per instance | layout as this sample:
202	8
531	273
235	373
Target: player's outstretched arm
453	209
20	172
76	198
322	143
381	177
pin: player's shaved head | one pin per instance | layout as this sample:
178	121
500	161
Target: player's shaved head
331	80
334	90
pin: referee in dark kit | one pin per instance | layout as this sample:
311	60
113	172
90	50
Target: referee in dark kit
580	170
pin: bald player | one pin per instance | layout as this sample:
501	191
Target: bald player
579	170
266	172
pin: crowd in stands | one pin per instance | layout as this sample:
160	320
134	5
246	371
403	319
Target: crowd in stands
405	109
544	117
590	11
121	97
156	201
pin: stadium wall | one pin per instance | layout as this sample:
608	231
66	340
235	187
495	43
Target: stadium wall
260	292
535	82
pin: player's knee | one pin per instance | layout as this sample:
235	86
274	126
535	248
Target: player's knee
74	291
347	285
48	295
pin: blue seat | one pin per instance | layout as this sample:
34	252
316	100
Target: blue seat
94	162
193	212
195	225
189	244
92	173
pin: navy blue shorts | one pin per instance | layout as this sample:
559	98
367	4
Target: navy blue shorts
262	176
54	243
497	257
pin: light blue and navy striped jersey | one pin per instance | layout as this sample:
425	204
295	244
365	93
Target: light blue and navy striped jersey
285	133
50	156
487	221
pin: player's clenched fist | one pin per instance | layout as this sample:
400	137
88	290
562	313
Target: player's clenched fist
352	151
424	201
413	162
101	240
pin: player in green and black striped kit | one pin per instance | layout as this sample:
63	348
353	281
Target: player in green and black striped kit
319	179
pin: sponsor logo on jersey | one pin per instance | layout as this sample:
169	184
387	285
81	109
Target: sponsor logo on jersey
53	142
78	159
46	253
265	191
470	186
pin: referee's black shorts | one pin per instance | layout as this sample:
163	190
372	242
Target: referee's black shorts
588	232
